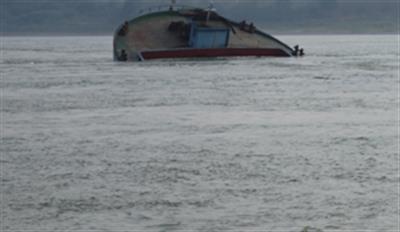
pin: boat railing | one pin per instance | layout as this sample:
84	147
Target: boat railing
163	8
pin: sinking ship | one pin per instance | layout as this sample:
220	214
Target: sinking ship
186	32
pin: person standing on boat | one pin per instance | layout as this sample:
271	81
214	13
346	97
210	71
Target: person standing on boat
296	50
301	52
123	56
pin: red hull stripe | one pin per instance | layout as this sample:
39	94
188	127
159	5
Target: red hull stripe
213	52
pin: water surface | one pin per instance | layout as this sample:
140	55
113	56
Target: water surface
222	144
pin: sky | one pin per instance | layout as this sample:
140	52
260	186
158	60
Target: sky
281	16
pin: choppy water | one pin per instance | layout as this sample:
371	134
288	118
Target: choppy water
236	144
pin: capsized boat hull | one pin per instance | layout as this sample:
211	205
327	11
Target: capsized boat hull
192	33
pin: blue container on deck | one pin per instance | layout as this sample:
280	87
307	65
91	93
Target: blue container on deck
208	37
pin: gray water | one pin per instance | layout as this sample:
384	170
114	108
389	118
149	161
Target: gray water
267	144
